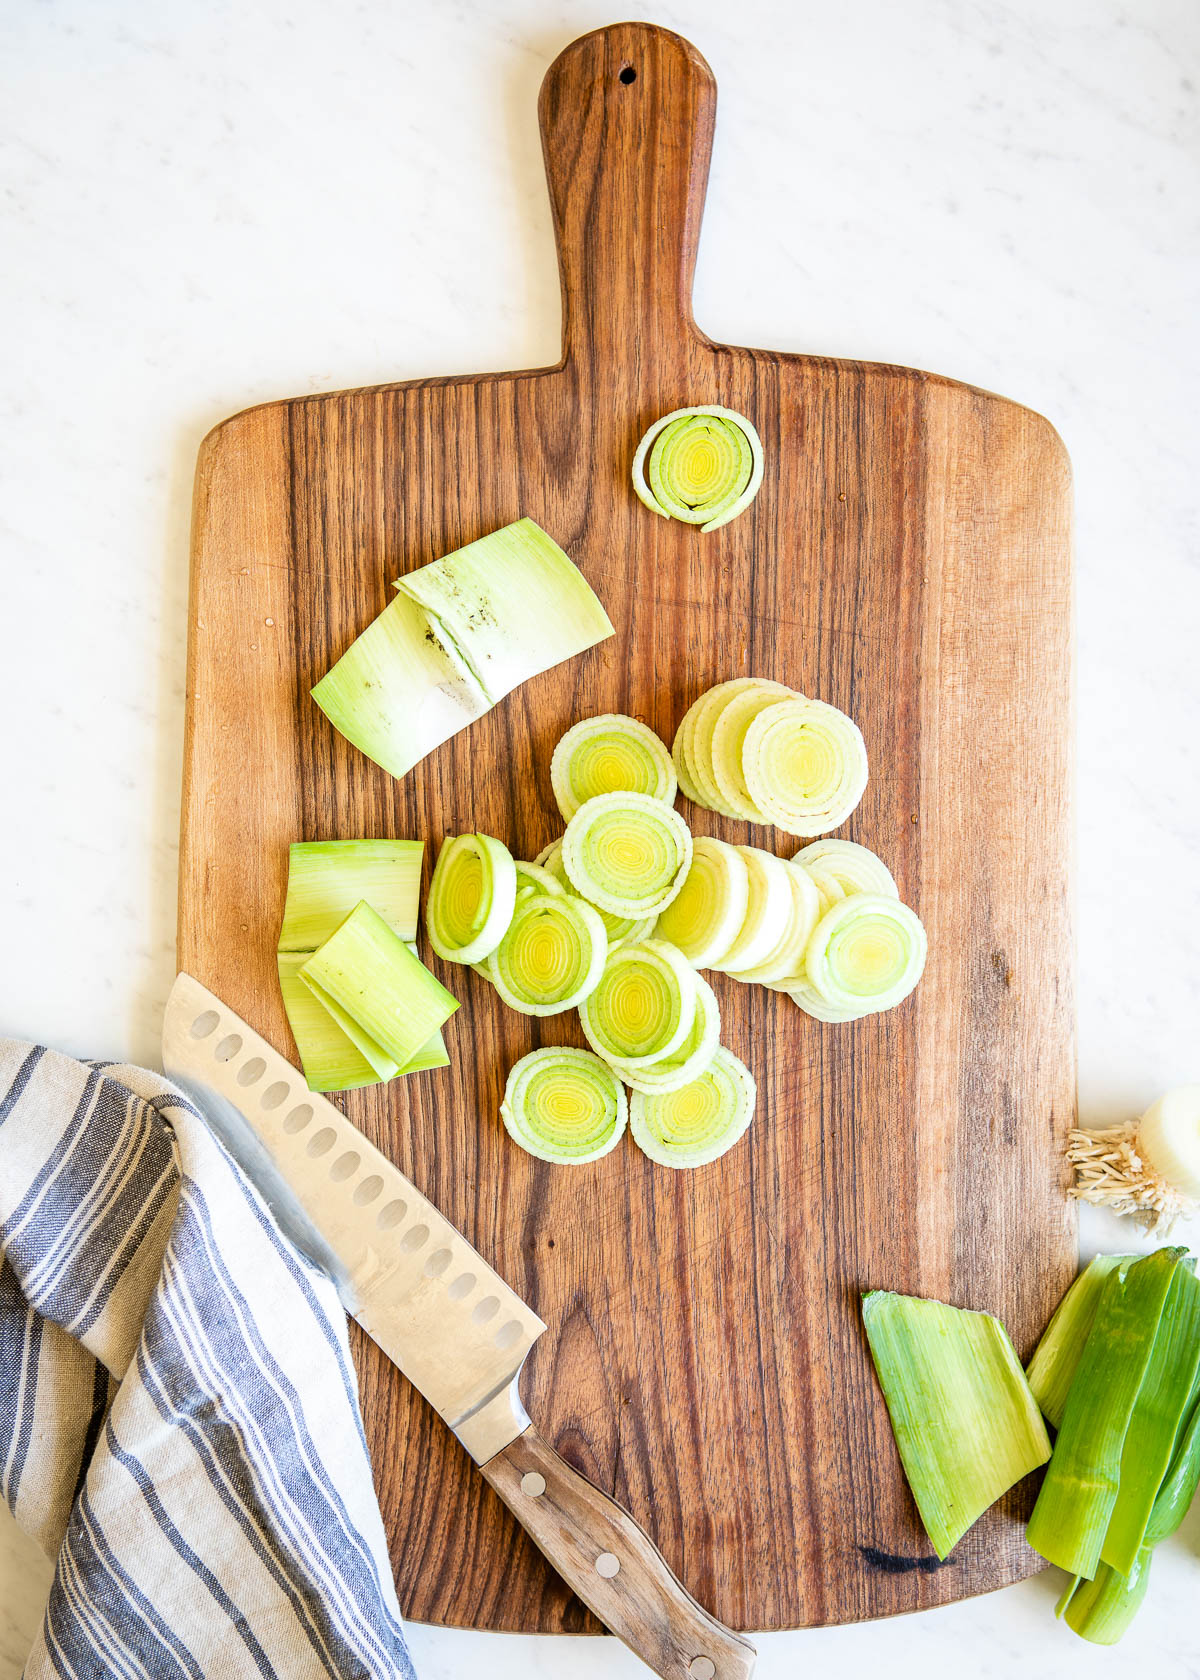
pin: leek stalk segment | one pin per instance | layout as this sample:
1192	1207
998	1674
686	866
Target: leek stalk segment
695	1123
471	897
965	1422
551	955
565	1106
610	754
703	466
327	878
627	853
1075	1505
368	974
459	635
1056	1358
1150	1168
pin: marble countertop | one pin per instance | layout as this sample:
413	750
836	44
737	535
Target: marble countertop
210	206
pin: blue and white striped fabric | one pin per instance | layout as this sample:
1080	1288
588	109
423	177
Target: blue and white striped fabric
179	1419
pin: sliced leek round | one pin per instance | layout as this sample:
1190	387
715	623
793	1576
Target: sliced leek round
845	865
867	953
692	1057
565	1106
551	956
805	765
644	1006
699	1121
779	966
698	743
706	915
610	754
683	769
702	465
627	853
728	737
768	911
621	930
471	897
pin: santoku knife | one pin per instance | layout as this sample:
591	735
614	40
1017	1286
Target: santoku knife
439	1311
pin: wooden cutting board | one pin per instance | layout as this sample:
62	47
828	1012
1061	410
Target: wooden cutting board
908	559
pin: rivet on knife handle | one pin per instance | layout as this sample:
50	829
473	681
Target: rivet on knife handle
613	1566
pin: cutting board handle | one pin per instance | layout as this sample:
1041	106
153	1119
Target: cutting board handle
627	119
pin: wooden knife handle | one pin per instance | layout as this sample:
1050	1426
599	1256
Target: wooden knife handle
613	1566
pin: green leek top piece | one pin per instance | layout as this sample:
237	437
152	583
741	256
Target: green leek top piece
377	985
965	1422
512	605
1056	1357
327	878
1079	1492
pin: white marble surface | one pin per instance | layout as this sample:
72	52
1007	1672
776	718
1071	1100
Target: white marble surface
206	206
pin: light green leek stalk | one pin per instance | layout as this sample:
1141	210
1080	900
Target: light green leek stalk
1056	1357
327	878
1102	1609
965	1422
372	979
1077	1497
1159	1415
329	1056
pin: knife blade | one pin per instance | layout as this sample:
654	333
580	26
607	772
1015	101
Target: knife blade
451	1324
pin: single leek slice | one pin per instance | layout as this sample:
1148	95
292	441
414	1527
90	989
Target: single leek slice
965	1422
371	975
841	868
621	930
627	853
1158	1417
728	739
644	1006
785	964
699	1121
1077	1497
551	956
805	765
327	878
1056	1358
693	1056
565	1106
512	604
706	915
768	911
610	754
471	897
867	953
701	465
401	689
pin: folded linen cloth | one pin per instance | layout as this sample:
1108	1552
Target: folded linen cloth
179	1417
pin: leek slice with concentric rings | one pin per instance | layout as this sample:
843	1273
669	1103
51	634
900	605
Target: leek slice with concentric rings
610	754
728	735
551	956
627	853
701	1120
867	953
691	1058
471	897
565	1106
768	911
787	959
805	765
700	465
848	866
620	929
644	1006
706	915
698	741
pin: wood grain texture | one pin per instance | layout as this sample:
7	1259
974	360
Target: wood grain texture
908	559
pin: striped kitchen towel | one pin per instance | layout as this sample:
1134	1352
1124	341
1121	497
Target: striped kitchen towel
179	1420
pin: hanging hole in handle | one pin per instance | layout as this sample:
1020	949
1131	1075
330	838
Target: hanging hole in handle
627	74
